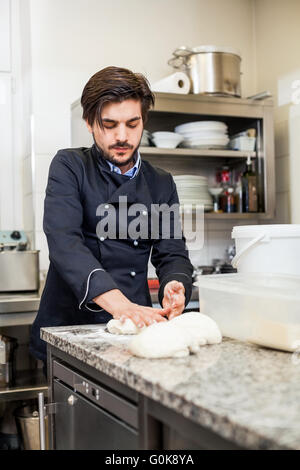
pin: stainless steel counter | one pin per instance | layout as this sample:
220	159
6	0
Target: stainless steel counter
19	302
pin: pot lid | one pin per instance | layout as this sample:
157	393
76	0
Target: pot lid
211	48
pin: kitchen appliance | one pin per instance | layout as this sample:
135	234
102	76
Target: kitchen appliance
87	415
260	308
212	70
19	266
8	346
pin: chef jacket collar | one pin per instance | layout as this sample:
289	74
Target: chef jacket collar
136	189
132	171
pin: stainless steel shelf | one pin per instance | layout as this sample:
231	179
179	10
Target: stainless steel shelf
27	385
14	302
208	153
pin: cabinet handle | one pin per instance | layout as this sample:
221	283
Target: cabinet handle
42	420
72	400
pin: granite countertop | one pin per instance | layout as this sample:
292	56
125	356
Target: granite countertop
245	393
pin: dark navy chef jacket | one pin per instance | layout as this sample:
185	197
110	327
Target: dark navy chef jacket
83	265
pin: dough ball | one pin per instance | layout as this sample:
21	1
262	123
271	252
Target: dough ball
160	340
202	329
116	327
177	337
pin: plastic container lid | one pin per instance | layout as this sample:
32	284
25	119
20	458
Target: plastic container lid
277	230
256	284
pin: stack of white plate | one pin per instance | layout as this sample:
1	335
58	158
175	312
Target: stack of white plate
193	189
204	134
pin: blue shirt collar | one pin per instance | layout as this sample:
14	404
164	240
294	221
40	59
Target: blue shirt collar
132	172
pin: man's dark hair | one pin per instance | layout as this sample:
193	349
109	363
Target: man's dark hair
114	84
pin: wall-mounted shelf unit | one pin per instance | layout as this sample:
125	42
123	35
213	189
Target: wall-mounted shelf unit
239	114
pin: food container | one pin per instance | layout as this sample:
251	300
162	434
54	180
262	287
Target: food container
243	143
8	347
19	270
28	424
259	308
267	248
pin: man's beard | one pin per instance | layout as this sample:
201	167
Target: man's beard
114	160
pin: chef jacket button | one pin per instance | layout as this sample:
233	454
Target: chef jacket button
135	243
133	273
106	206
102	239
144	212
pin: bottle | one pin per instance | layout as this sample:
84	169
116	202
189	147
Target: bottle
238	195
249	188
227	201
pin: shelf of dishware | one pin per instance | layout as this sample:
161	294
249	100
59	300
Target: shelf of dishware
209	153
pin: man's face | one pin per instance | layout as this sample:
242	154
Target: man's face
122	133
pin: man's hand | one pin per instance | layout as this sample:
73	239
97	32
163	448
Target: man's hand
121	308
174	298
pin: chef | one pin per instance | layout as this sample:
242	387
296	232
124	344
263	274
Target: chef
93	277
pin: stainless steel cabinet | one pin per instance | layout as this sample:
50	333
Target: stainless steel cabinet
88	415
80	424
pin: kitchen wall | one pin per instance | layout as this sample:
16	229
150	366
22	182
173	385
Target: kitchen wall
72	39
277	36
16	204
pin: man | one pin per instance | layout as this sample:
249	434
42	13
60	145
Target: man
92	278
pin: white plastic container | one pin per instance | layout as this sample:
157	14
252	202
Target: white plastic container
259	308
267	248
243	143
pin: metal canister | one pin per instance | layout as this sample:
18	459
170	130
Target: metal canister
8	346
27	420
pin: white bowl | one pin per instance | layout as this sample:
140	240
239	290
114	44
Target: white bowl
163	134
167	142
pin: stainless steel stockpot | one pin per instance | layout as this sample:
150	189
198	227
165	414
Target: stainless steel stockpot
212	70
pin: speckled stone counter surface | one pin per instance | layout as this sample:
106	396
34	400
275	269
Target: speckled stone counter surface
247	394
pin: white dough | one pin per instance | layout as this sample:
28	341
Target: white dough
160	340
202	329
177	337
116	327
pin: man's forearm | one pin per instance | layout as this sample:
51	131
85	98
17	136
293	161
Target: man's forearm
121	308
113	301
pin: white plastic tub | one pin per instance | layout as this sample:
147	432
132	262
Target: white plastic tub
259	308
243	143
267	248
